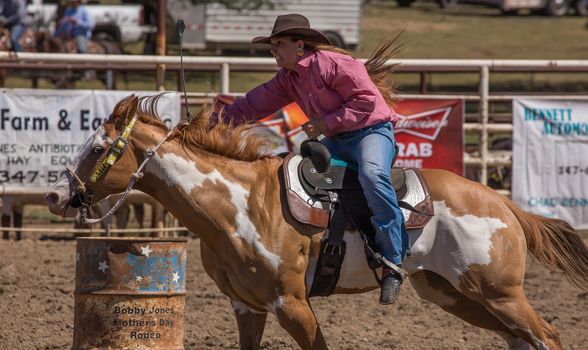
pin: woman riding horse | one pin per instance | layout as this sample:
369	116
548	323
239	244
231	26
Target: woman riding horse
345	105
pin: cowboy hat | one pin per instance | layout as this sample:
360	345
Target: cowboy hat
293	25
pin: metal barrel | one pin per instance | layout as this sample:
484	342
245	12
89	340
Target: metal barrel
130	293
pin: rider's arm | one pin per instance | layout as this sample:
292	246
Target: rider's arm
261	101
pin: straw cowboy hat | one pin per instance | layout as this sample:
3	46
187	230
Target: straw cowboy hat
293	25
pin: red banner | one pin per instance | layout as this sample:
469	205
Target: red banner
429	133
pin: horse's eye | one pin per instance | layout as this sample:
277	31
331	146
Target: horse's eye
98	149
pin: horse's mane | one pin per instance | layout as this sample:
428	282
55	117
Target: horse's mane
219	138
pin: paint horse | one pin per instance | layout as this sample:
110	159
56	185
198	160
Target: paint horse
469	259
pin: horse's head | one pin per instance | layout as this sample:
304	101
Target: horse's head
102	167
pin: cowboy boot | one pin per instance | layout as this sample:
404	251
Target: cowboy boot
391	281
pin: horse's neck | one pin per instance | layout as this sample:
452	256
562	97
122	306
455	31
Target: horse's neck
206	192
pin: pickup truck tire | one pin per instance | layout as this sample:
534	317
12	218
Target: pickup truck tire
109	32
447	4
335	39
556	8
405	3
581	7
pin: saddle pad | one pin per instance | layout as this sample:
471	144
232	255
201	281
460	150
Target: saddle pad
310	210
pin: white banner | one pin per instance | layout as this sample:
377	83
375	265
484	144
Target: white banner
550	159
41	131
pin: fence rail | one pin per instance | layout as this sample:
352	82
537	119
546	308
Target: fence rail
484	122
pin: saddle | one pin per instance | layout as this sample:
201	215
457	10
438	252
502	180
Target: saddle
326	193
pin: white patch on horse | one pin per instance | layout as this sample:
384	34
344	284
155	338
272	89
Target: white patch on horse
468	238
277	304
177	171
243	309
355	272
62	187
540	345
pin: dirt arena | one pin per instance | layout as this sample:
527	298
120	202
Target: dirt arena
36	309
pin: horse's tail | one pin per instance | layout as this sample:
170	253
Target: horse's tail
555	244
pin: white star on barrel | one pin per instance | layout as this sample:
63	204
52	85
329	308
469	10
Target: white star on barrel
146	250
103	266
176	277
139	278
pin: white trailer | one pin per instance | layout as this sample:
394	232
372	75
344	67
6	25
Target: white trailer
214	27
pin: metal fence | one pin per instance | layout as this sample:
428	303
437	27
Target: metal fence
479	123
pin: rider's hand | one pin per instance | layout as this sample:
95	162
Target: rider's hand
220	101
315	127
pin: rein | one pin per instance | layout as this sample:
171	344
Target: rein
116	150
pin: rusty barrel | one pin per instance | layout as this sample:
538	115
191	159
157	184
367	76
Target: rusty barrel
130	293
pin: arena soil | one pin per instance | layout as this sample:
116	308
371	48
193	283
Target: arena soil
36	309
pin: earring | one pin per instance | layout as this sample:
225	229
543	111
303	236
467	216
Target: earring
299	51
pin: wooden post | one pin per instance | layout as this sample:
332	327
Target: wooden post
160	50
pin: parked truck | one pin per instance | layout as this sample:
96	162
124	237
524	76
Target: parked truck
215	27
122	23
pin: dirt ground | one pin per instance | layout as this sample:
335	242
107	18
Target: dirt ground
36	309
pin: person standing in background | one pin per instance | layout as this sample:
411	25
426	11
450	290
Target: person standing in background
77	23
15	19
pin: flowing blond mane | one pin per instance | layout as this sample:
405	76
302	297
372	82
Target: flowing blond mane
223	139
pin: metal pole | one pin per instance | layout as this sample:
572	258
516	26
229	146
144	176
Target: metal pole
161	43
484	92
225	78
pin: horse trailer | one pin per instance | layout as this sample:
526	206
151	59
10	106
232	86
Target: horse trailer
214	27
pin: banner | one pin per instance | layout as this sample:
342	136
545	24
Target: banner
550	158
41	131
429	133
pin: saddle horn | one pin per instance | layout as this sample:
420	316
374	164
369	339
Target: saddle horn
318	153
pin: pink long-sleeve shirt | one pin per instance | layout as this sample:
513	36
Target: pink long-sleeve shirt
328	85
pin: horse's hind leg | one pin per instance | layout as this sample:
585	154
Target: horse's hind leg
251	325
434	288
510	305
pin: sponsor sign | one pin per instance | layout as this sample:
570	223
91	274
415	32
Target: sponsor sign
550	162
429	133
41	131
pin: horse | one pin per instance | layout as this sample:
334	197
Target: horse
43	41
28	43
469	259
65	44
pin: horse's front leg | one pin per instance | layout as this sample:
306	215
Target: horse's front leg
296	316
251	325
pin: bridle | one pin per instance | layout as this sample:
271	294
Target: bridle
83	194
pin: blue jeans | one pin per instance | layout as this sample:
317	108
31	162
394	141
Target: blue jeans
82	43
16	31
371	150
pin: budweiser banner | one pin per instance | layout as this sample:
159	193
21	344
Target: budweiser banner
41	131
429	133
550	158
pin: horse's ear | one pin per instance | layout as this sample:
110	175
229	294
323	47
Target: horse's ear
124	111
131	109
